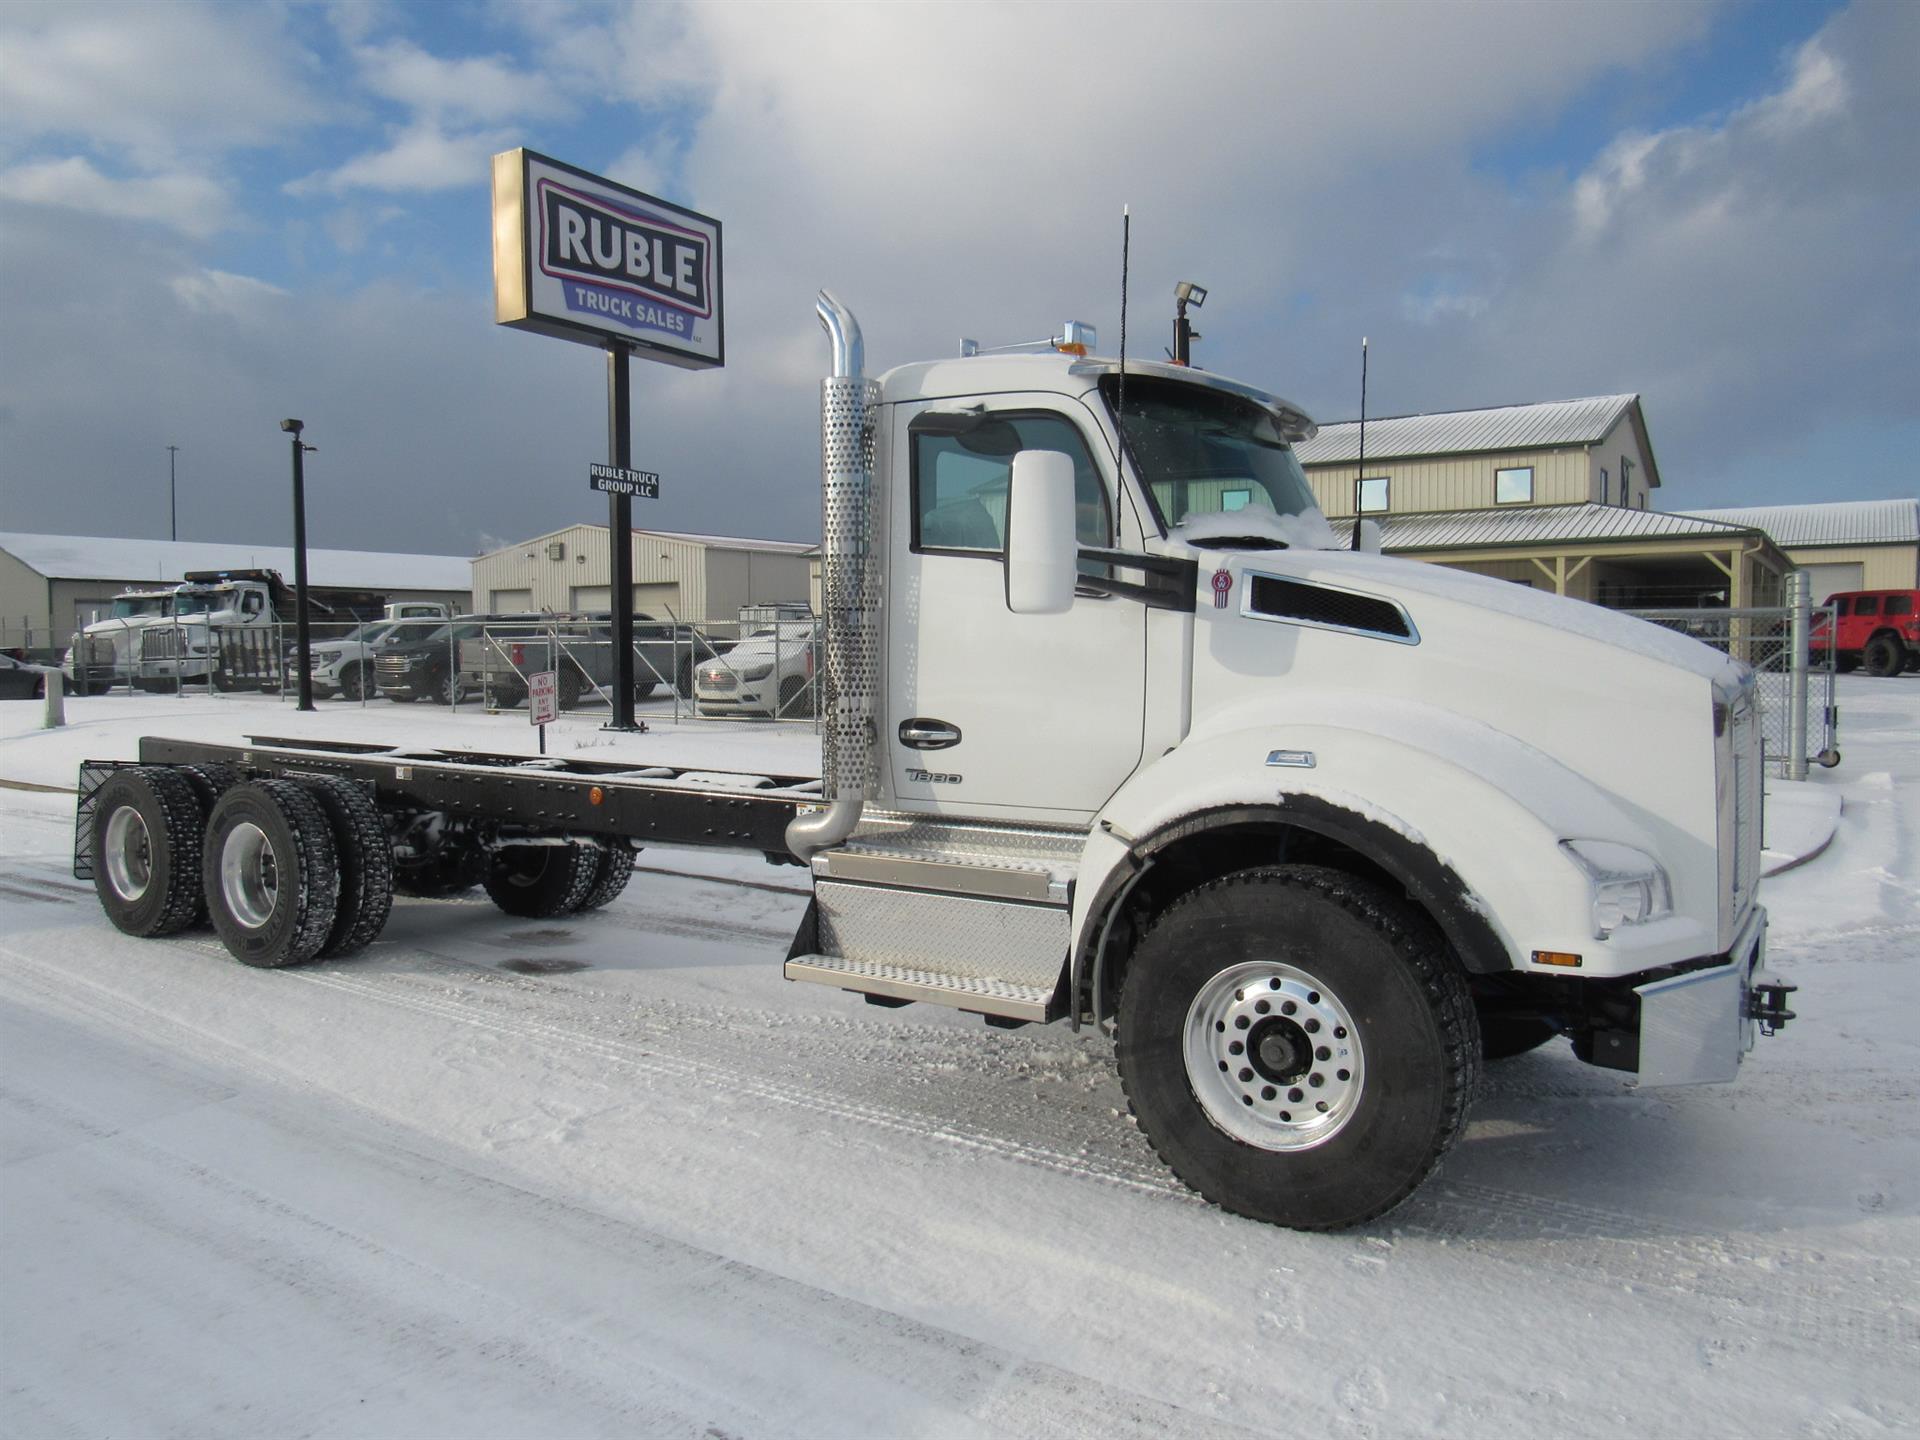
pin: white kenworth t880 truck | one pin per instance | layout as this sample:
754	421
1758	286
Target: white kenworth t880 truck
1115	735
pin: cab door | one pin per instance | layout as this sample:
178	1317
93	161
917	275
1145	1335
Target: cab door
990	713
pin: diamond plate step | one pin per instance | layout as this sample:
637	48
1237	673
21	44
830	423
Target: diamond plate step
903	982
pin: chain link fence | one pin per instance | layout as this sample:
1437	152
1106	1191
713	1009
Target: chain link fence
1794	666
765	663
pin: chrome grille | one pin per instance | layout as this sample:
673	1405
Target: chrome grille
160	642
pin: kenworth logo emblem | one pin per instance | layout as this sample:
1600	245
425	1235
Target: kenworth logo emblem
588	239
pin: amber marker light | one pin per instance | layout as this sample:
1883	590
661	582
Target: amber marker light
1556	957
596	796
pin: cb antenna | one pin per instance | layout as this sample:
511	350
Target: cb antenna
1361	474
1126	237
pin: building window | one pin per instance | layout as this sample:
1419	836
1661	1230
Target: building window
1513	487
1605	493
1373	495
1626	481
1235	499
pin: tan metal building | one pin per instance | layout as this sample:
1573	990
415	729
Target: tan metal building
1841	544
1558	496
687	577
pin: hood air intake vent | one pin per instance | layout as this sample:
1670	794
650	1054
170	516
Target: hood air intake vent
1303	604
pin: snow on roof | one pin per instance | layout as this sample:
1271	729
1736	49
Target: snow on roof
1535	525
736	542
1835	522
1455	432
685	537
92	557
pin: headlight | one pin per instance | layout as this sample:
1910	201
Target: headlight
1628	886
759	672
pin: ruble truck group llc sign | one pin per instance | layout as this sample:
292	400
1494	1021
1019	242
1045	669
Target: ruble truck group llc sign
581	258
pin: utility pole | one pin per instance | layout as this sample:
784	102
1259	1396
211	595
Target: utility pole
173	509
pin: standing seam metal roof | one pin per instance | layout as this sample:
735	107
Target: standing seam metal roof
1836	522
1538	525
1455	432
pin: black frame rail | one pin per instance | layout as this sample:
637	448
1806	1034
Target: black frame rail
589	797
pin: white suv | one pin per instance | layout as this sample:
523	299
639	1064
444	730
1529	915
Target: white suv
772	672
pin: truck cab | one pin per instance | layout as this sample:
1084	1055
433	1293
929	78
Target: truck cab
1121	733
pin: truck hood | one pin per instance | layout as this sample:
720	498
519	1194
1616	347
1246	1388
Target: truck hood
1459	597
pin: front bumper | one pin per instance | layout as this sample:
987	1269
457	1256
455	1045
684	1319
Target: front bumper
1694	1027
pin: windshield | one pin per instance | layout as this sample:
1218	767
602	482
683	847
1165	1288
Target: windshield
128	606
199	602
369	633
1204	452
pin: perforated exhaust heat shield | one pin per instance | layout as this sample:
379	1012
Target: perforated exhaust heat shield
850	587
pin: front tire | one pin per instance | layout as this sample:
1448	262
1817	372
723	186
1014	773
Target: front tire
353	684
271	873
1885	656
1297	1045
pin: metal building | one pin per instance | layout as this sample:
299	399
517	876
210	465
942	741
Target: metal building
53	585
1841	544
675	575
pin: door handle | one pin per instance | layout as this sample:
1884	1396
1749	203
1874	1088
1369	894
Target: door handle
920	733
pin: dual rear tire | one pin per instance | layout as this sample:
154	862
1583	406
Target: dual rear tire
287	871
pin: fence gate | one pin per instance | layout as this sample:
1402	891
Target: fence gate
1793	662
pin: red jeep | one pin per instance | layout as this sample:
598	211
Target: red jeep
1879	629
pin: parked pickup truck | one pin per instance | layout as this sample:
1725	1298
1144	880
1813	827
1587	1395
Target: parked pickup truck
497	662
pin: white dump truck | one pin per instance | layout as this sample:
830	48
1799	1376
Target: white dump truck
1115	735
105	651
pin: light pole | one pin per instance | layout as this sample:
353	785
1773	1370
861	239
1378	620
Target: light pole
173	509
293	428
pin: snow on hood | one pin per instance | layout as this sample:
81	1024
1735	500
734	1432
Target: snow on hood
1257	522
1574	617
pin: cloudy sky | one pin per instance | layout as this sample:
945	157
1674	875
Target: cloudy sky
213	216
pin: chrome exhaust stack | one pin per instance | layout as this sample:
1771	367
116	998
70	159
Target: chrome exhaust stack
850	589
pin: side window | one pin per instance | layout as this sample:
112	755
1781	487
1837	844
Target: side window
1840	607
252	603
1899	605
962	466
1866	604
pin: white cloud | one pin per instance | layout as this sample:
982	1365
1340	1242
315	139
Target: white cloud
155	81
485	89
216	292
191	204
421	157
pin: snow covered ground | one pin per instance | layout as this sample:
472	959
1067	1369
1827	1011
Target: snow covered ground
613	1176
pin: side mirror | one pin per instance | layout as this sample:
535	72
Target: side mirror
1043	552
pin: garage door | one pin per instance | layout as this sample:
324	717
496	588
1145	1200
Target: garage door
511	602
655	600
1828	580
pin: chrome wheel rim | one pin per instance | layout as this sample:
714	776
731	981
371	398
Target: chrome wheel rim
249	875
1273	1056
128	852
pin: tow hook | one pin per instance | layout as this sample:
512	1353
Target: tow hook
1767	1004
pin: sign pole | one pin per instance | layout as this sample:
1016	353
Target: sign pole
620	528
